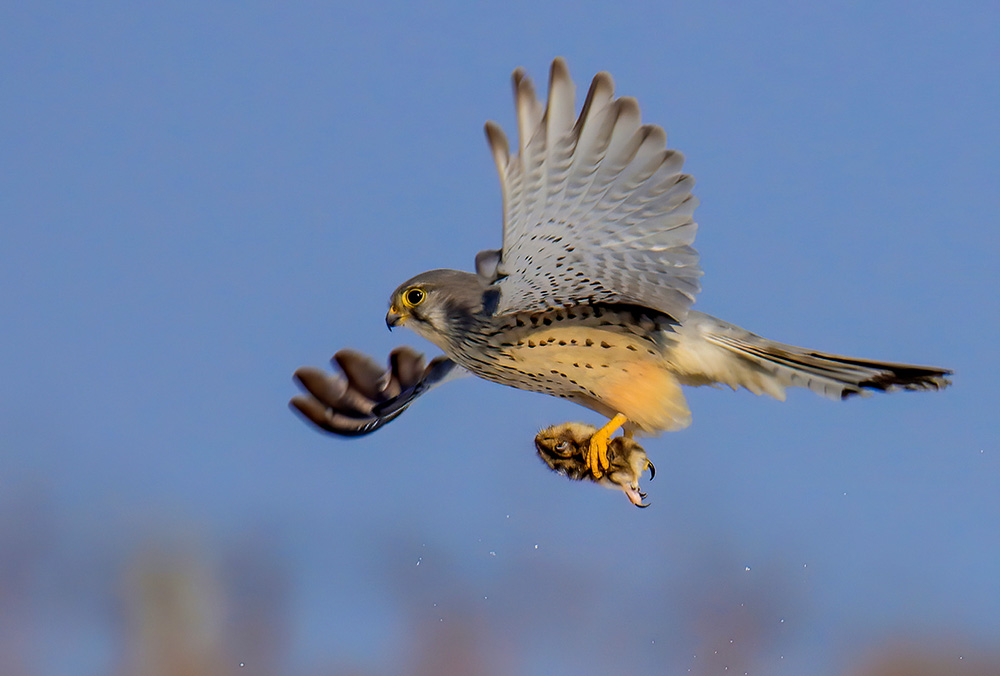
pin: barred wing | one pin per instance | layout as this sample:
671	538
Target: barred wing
595	210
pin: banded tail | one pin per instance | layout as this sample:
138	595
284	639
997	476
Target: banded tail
768	367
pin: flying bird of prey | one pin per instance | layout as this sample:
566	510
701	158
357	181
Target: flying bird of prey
589	296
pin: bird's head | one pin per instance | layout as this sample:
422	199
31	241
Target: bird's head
434	303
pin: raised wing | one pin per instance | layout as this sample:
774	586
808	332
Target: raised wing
595	209
367	396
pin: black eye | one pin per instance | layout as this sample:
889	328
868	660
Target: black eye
414	297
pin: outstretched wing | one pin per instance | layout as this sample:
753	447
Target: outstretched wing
367	396
595	210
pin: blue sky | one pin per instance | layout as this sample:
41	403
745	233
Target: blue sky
198	199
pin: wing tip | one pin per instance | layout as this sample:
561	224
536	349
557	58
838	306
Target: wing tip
499	146
559	71
628	105
600	94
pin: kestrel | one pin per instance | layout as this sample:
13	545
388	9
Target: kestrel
589	296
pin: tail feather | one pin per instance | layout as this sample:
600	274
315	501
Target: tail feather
767	366
833	375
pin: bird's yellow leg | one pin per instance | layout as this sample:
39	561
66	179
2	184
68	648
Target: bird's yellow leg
597	453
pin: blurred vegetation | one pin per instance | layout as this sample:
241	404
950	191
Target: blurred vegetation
170	607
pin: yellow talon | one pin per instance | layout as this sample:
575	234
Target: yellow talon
597	453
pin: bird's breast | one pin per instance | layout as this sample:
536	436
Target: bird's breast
610	361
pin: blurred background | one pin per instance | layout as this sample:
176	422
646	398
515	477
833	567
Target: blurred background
198	198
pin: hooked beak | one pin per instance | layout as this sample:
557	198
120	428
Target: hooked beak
394	318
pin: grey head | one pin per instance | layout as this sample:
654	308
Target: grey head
437	302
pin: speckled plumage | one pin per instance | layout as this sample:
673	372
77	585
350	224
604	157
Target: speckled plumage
609	358
589	296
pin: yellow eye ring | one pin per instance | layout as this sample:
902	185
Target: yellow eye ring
413	297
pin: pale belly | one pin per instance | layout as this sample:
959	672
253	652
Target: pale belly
605	370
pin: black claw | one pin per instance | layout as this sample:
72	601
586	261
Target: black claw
652	470
642	506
